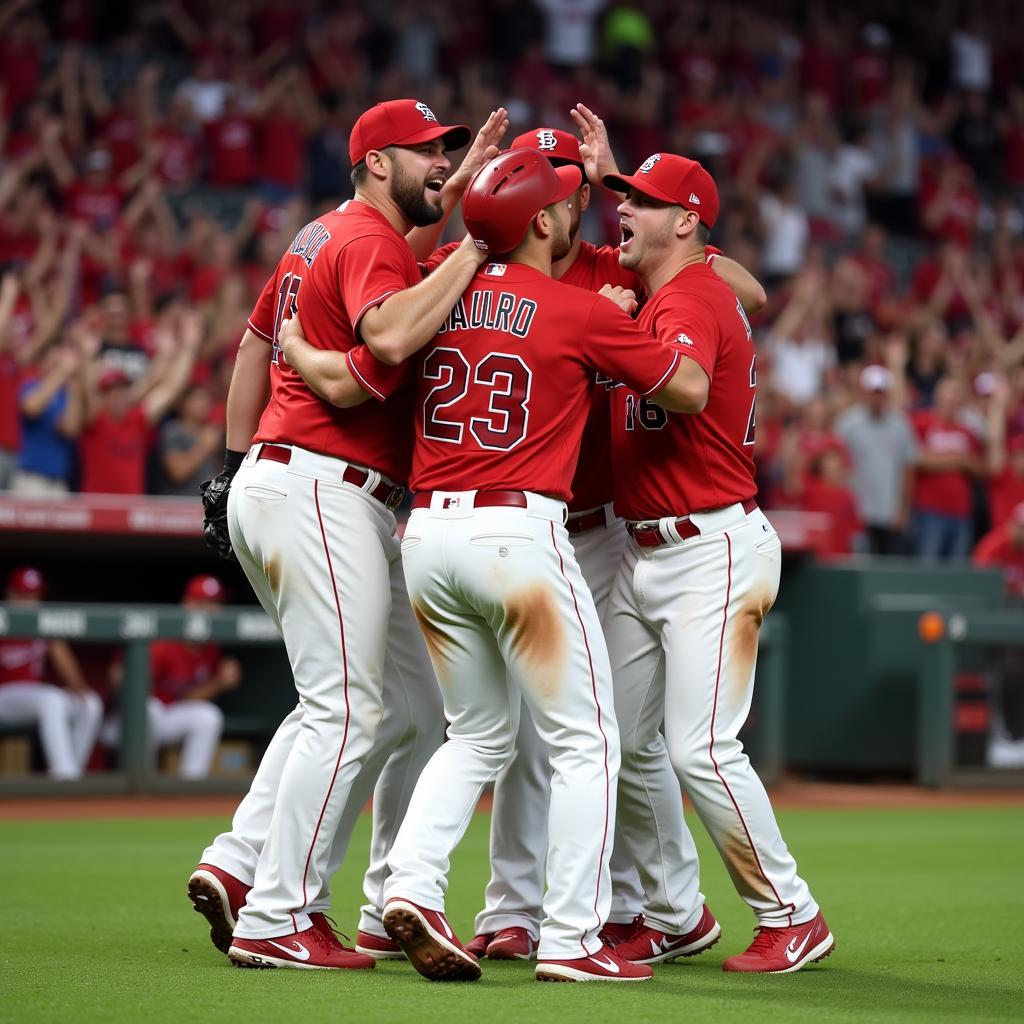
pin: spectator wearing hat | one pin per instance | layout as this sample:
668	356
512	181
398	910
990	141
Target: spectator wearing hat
186	678
883	451
120	416
950	457
68	716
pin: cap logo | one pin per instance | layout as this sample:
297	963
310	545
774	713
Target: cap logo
648	165
428	114
694	200
546	139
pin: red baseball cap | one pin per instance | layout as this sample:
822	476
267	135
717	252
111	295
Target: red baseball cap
204	588
113	377
672	179
401	123
27	581
552	142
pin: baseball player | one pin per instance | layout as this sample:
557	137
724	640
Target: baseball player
501	400
310	513
508	926
701	571
68	717
186	678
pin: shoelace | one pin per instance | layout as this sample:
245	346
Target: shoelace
338	933
636	926
766	942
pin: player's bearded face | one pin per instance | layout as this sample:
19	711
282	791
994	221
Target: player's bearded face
417	191
647	231
562	232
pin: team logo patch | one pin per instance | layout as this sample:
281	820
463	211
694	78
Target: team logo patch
684	339
495	270
648	165
694	200
428	114
546	139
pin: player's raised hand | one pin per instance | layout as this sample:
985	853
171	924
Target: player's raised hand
624	298
595	148
484	148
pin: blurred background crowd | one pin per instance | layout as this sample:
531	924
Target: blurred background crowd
157	157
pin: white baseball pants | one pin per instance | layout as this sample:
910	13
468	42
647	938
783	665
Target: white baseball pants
507	616
68	723
195	724
324	561
522	790
682	628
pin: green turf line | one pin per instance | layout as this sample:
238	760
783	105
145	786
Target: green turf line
925	905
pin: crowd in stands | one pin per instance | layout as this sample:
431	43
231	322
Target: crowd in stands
157	157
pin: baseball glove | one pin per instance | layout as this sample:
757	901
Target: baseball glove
215	518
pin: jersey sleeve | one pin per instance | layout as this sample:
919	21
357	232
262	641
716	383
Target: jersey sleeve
615	345
688	324
264	313
379	379
437	257
370	269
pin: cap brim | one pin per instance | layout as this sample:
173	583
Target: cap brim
624	182
570	178
455	136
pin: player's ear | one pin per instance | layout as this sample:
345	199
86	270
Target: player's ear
378	163
542	223
686	222
584	197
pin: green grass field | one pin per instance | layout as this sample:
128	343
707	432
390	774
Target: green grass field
926	907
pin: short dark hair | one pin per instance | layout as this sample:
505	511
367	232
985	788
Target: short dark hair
703	233
359	172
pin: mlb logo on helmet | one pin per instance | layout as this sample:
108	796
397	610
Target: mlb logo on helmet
648	165
428	114
546	139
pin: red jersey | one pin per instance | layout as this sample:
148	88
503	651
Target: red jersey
1005	493
336	269
177	667
98	205
592	485
113	454
503	389
22	660
997	549
839	504
946	492
231	142
10	413
669	464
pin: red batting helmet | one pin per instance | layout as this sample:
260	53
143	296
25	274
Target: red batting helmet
508	192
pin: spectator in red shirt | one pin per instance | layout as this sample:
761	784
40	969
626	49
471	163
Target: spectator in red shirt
178	140
826	491
1004	460
231	145
119	416
186	678
950	203
950	455
68	717
1003	547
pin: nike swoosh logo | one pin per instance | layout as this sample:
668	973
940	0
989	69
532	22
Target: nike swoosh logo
792	955
447	927
301	953
608	965
656	949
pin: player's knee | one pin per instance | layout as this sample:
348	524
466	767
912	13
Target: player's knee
208	717
92	707
52	701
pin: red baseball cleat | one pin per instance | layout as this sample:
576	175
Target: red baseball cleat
512	944
219	897
380	947
477	946
428	941
649	946
615	932
604	965
308	950
784	950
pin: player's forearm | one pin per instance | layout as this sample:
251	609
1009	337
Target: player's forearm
66	666
326	371
748	289
406	321
247	396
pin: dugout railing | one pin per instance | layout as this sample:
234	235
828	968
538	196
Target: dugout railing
966	655
134	628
